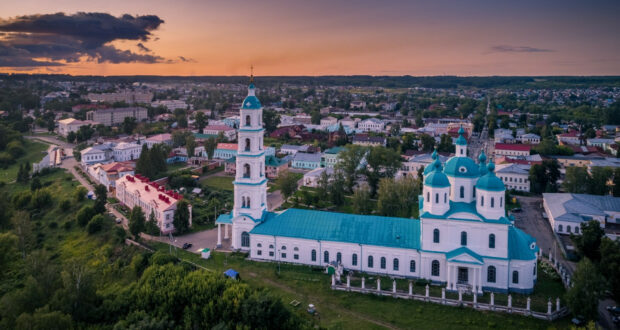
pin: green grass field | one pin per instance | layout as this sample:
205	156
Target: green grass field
34	153
343	310
219	182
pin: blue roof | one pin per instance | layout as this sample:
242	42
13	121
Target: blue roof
461	141
462	207
251	102
520	245
489	181
462	167
437	179
224	218
343	227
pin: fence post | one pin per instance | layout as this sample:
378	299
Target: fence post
528	306
475	299
460	296
410	288
363	283
348	281
393	286
427	293
492	301
333	280
549	307
443	296
378	284
557	304
509	303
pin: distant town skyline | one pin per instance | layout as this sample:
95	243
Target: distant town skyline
190	37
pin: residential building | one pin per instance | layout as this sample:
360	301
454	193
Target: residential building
99	153
291	149
165	138
129	97
411	166
514	176
357	105
529	138
229	133
115	116
171	105
371	125
107	174
132	191
504	149
66	126
369	141
123	151
566	212
306	161
330	157
570	137
329	121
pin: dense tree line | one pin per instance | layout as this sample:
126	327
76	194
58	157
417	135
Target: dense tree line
152	162
597	181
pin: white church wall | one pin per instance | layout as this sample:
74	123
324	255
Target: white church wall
467	184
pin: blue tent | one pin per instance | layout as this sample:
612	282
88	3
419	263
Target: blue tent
232	273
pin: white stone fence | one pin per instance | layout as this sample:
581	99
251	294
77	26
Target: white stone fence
491	306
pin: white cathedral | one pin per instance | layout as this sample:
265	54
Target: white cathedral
463	239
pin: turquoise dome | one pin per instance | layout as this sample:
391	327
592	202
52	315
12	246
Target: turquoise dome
431	167
437	179
461	167
460	141
489	181
483	157
251	102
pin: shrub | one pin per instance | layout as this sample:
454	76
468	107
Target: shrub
79	193
84	215
67	225
95	224
65	205
53	225
160	258
41	199
15	148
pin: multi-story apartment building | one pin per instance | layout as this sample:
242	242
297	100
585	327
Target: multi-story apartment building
115	116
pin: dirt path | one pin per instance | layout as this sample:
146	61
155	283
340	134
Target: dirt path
330	306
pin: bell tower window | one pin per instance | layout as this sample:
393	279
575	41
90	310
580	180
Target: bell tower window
246	170
248	120
247	144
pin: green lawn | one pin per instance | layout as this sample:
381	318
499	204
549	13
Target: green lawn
219	182
344	310
34	153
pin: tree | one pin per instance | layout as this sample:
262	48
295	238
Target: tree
428	142
336	189
271	120
78	296
23	174
144	165
151	227
95	224
575	178
190	145
350	164
616	182
210	145
181	217
44	319
79	193
287	182
597	184
102	198
361	201
136	221
446	144
22	228
84	215
543	177
71	137
129	124
8	252
382	163
179	137
610	264
589	242
201	121
582	298
35	184
397	198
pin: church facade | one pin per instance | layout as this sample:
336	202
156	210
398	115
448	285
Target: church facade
463	239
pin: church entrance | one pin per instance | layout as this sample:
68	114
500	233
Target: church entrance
463	275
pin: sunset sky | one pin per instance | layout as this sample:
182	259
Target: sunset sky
438	37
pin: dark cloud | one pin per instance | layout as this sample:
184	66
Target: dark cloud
143	48
24	40
185	59
517	49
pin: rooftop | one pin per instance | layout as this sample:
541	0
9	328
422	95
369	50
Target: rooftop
579	207
516	147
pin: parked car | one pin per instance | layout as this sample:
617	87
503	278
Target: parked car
187	246
118	221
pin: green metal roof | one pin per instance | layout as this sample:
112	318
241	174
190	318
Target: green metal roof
343	227
520	245
461	167
334	150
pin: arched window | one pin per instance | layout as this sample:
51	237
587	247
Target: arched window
576	230
326	256
492	241
245	239
462	192
339	257
501	202
247	144
560	228
437	198
515	277
436	235
412	266
383	262
568	230
354	259
481	200
491	273
295	249
247	202
474	192
283	247
395	264
534	273
445	197
248	120
428	197
259	245
492	202
435	268
246	170
313	255
370	262
464	238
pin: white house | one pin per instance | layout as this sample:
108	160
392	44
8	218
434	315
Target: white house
529	138
463	239
566	212
68	125
229	133
107	174
165	138
99	153
124	151
514	176
371	125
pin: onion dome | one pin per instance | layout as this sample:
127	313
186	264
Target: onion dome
461	141
437	179
489	181
483	166
431	166
251	102
461	167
